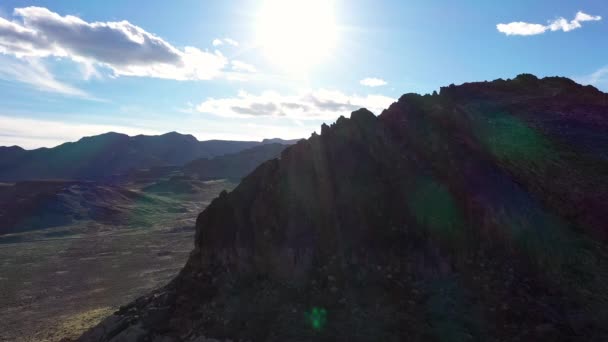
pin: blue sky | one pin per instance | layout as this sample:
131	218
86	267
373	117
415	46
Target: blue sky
75	68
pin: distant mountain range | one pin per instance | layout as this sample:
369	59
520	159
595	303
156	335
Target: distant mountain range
106	155
124	199
235	165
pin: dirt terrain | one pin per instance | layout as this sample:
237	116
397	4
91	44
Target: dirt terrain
59	282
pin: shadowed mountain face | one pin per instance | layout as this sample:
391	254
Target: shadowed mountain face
36	205
233	166
102	156
476	214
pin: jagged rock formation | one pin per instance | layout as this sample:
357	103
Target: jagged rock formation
475	214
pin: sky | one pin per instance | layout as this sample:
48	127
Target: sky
248	70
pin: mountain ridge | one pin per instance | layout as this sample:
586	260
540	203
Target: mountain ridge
37	205
474	214
168	134
103	156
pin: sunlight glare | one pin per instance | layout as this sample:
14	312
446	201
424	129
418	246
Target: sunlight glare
296	34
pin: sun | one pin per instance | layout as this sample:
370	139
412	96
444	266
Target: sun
296	34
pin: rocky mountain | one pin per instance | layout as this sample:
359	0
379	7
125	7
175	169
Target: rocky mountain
102	156
232	166
235	165
192	176
475	214
35	205
280	141
41	204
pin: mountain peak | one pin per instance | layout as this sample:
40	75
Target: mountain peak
279	141
13	148
362	115
109	136
527	84
175	134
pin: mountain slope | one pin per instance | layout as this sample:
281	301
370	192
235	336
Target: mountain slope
102	156
35	205
475	214
235	165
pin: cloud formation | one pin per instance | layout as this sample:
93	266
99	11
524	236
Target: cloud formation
33	72
220	41
126	49
520	28
242	66
372	82
599	78
319	104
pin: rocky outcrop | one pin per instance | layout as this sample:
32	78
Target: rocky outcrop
475	214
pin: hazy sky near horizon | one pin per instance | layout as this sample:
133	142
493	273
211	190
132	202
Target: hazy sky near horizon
247	70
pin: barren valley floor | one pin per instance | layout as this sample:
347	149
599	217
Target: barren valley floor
58	287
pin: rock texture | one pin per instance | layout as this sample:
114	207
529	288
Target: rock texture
476	214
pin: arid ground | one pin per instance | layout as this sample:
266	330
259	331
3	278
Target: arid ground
56	287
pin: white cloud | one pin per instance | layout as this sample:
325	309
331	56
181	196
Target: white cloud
580	16
520	28
89	71
231	42
242	66
319	104
372	82
33	72
34	133
126	49
598	78
220	41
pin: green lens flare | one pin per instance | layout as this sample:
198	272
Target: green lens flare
317	318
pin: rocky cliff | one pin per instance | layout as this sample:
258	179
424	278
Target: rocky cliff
476	214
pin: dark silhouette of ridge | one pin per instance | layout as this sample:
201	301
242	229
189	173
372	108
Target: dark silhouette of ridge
475	214
233	166
103	156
